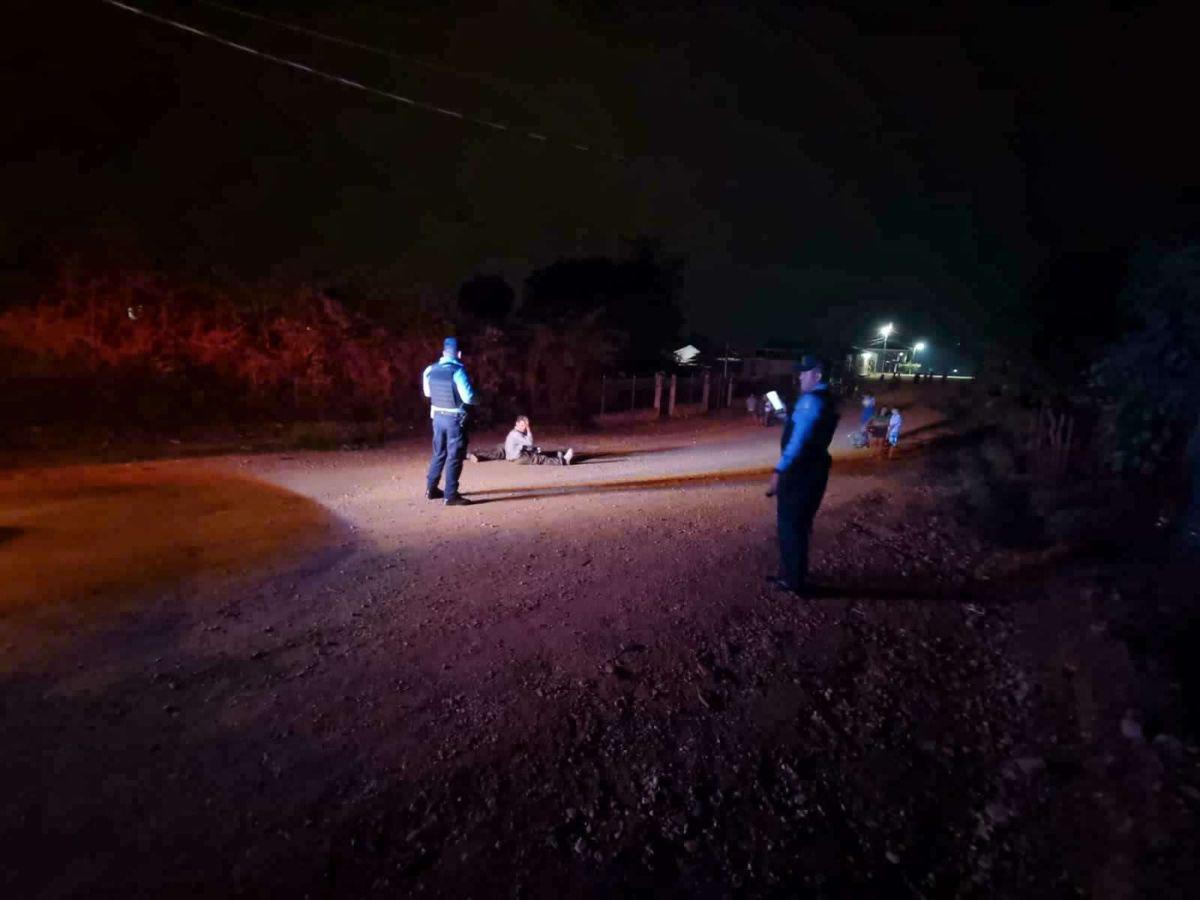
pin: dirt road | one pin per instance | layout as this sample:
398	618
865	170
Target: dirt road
579	684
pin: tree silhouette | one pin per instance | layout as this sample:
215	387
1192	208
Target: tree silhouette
487	299
637	297
1150	373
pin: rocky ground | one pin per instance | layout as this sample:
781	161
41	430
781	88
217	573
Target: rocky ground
583	687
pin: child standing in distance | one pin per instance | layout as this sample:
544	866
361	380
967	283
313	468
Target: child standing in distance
893	430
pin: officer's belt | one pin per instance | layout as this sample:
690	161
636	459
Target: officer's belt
448	412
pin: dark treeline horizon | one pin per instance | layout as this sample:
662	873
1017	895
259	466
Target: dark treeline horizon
816	172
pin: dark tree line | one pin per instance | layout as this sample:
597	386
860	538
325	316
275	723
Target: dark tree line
133	349
576	319
1149	374
1116	335
632	305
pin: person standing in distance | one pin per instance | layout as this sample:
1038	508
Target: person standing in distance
799	480
449	391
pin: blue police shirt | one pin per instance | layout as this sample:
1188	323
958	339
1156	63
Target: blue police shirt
804	419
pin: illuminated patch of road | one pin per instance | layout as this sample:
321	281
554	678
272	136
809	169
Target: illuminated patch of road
105	532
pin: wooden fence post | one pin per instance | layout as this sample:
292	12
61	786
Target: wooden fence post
633	392
658	391
603	391
704	395
671	401
1050	442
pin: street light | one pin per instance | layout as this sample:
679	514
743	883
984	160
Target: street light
917	348
886	332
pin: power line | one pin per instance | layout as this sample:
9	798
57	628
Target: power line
483	78
357	85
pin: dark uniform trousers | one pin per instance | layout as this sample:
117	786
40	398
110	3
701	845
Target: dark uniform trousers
800	491
449	450
802	486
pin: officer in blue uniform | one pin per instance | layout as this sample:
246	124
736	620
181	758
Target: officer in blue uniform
450	393
802	473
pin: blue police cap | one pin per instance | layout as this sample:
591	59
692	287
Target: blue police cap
807	362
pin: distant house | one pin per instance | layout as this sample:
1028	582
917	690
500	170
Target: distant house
770	363
868	361
862	361
687	356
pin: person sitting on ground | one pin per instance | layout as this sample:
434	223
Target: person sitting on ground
518	447
877	430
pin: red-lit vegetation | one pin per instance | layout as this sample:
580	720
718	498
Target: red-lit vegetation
137	351
141	353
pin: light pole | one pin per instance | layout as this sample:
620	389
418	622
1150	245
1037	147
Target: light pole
886	331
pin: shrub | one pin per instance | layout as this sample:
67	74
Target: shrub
1148	376
155	356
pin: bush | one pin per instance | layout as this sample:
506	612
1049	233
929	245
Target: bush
152	356
140	354
1148	376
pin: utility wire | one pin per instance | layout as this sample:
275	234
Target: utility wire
488	79
357	85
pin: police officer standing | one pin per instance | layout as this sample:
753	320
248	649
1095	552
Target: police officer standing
802	473
450	393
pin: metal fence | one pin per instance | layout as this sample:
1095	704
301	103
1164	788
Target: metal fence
621	392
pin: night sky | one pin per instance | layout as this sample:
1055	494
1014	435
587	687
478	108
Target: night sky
822	170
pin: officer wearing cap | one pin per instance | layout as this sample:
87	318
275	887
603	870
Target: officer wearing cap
799	480
450	393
